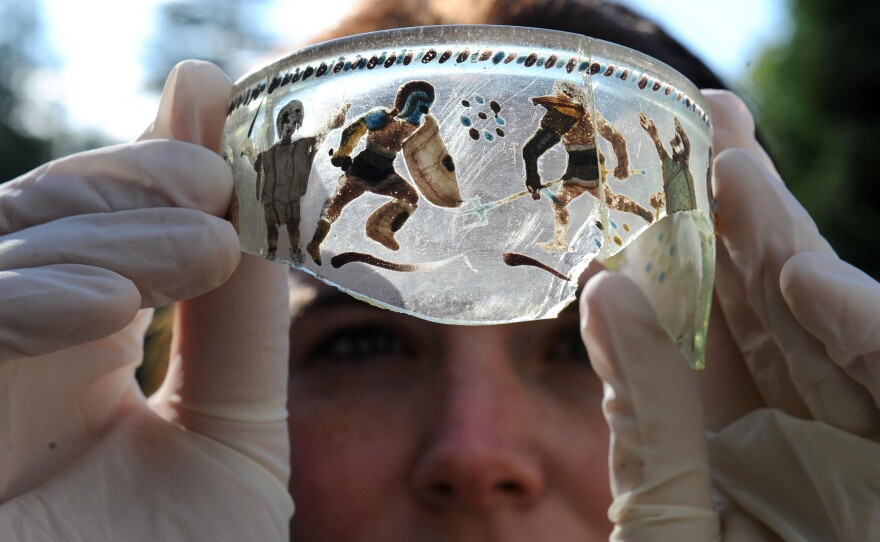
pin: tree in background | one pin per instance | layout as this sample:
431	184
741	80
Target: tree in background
225	32
819	112
20	40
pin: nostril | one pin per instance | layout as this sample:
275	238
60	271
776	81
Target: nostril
511	488
441	488
476	477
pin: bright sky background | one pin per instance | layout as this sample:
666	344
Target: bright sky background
102	41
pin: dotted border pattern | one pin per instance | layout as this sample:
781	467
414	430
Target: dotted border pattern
644	81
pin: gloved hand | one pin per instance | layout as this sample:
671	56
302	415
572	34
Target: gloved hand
791	391
88	241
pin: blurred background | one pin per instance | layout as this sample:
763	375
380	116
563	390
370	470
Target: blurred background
77	75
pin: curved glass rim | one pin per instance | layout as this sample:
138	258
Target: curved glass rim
522	35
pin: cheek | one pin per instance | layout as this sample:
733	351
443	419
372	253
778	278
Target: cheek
346	467
592	456
579	465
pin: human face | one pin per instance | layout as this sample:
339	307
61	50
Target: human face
403	429
291	119
677	145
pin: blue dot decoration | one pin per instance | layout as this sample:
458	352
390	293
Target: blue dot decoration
481	122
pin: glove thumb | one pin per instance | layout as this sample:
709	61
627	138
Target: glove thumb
196	95
658	457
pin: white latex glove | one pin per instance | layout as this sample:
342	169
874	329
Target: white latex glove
791	391
87	241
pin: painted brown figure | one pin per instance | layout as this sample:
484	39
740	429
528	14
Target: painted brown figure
568	119
372	169
282	179
678	183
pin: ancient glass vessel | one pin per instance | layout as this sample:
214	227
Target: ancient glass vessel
469	174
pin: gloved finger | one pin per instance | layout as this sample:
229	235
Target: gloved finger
149	247
734	126
228	373
758	349
68	396
193	105
44	308
839	305
761	227
726	386
123	177
658	457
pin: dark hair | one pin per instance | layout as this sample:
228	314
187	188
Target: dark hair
599	19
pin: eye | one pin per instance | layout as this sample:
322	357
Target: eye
568	346
361	343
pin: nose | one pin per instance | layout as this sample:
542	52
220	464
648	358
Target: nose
478	455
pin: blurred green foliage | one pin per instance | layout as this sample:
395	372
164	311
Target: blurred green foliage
20	153
157	350
32	132
818	114
20	55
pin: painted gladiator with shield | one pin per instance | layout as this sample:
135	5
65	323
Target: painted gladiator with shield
568	119
408	129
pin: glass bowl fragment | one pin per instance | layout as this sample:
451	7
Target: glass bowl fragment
469	174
